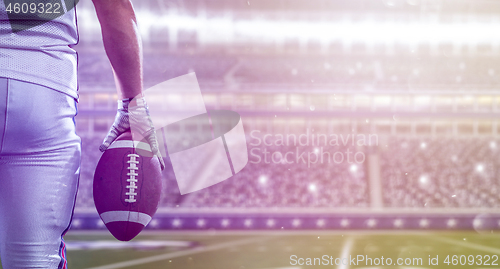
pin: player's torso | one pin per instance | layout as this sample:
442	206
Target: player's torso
35	40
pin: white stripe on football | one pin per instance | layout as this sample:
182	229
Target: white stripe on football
130	216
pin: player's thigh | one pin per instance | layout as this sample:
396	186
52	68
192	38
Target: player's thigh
40	187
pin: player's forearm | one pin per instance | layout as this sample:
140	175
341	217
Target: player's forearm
122	44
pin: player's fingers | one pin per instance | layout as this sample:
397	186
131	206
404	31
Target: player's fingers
153	143
110	137
103	147
120	125
162	163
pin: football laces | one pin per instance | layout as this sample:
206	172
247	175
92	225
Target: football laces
132	178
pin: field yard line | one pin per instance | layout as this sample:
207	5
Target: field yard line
467	244
346	251
181	253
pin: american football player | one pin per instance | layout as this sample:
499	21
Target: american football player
39	149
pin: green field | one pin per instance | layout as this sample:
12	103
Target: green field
283	250
257	250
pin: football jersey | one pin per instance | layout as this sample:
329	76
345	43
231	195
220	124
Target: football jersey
35	40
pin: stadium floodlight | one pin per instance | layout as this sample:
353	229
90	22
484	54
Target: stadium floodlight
76	223
154	223
176	223
229	28
424	180
353	168
345	223
320	223
398	223
480	167
225	223
477	223
248	223
424	223
200	223
451	223
312	187
493	145
99	223
371	223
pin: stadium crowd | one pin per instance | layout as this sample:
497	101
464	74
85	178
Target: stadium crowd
415	173
258	185
439	173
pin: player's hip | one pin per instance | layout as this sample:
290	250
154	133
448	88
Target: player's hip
34	118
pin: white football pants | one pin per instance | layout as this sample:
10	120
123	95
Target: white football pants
39	169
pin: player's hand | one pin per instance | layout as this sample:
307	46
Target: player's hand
133	113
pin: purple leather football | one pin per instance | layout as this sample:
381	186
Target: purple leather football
127	187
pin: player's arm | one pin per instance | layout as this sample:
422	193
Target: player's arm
122	43
123	46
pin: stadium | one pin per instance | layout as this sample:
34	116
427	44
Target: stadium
372	131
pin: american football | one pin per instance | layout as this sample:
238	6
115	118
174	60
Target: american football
127	187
